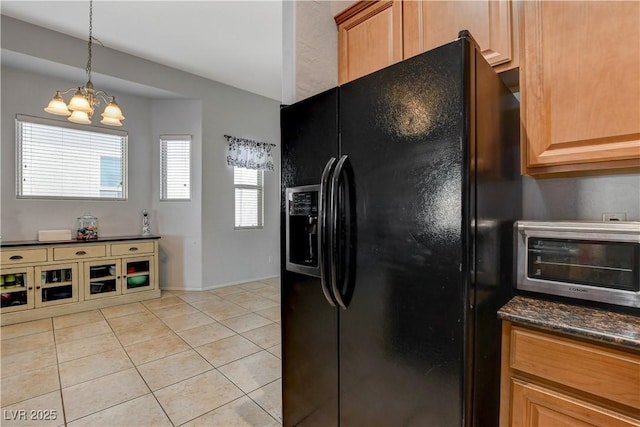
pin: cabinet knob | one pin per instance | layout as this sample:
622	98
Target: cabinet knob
133	249
81	253
16	257
37	287
30	288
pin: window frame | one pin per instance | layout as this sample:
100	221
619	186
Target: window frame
163	178
19	155
260	205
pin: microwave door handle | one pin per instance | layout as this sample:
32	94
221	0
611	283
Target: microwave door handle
323	228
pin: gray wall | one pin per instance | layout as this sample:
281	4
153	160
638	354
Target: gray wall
585	198
227	256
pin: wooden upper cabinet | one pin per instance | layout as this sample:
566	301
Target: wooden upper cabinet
369	38
375	34
580	87
429	24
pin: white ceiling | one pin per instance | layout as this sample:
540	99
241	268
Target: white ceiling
238	43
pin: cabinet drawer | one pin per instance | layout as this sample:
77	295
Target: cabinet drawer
133	248
79	252
601	371
23	255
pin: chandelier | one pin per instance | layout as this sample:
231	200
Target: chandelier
82	105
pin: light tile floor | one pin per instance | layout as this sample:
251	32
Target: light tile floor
209	358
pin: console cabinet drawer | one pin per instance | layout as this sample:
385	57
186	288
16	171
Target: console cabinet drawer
119	249
23	255
601	371
79	252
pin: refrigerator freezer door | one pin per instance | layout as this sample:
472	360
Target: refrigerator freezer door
309	132
402	336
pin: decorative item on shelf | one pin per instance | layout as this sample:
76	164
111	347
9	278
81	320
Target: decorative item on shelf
146	223
87	227
136	280
86	98
53	235
8	281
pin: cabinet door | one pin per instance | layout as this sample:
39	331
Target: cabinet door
139	274
579	69
369	38
16	289
102	278
538	406
429	24
56	284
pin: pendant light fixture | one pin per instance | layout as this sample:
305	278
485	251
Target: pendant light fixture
82	105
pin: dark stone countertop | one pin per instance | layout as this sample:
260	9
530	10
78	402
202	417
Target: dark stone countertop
105	239
596	324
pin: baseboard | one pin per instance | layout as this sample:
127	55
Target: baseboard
220	285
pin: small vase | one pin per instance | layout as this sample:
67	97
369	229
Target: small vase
146	223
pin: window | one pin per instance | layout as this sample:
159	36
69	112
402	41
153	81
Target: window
110	176
175	167
249	187
68	161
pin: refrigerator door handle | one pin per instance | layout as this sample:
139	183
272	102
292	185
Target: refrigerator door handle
334	210
324	228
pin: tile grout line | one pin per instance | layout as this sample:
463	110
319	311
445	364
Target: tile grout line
55	346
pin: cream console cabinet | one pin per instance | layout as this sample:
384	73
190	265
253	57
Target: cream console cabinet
43	280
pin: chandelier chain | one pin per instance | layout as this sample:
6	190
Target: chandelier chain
88	69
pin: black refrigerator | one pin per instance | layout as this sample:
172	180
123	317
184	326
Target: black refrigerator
399	193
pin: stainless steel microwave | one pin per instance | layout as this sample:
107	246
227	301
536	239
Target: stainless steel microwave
596	261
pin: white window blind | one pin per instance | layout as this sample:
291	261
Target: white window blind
249	189
62	160
175	167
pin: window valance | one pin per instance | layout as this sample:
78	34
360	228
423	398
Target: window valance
249	154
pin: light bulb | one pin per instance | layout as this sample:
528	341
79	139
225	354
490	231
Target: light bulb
79	117
110	121
80	103
112	110
57	106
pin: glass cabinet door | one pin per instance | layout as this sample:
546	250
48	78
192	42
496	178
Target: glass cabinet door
101	279
16	289
56	284
139	274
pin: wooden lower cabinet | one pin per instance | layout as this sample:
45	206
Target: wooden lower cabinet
538	406
52	280
550	380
